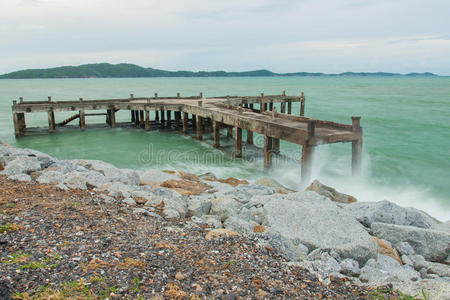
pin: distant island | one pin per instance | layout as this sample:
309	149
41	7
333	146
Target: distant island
106	70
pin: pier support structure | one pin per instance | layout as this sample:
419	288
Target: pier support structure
216	113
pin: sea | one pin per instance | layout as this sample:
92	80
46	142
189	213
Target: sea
405	120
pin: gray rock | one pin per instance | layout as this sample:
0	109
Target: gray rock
324	267
224	207
130	201
388	212
253	212
63	166
350	267
126	176
281	245
272	183
142	211
51	177
95	179
404	248
75	180
318	253
198	206
210	220
443	227
387	270
116	189
238	225
441	270
171	213
20	177
317	222
156	176
22	165
407	261
416	261
330	193
432	244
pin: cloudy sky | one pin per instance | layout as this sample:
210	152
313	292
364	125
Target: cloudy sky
281	35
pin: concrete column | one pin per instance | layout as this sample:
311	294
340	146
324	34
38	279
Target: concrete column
238	142
141	118
177	120
199	127
249	137
267	151
82	120
156	116
147	120
356	148
271	106
289	108
302	105
307	153
112	120
276	146
17	130
136	117
169	118
133	118
216	132
185	123
230	132
163	117
283	107
51	124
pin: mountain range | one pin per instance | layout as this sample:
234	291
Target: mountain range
106	70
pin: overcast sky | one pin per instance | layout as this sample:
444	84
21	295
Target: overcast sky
233	35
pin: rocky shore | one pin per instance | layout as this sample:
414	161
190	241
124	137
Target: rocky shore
275	242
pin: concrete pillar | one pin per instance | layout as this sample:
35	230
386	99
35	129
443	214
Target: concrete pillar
199	128
185	123
141	118
177	120
216	132
302	104
82	120
307	153
17	130
112	120
267	151
249	137
271	106
238	142
136	117
51	124
276	146
169	118
147	120
356	147
230	132
163	117
283	107
156	116
133	118
289	108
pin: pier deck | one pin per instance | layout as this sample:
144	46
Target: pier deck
254	114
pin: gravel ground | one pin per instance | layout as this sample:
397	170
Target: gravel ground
59	244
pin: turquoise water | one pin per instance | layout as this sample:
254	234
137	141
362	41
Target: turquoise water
406	132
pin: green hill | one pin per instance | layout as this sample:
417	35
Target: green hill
105	70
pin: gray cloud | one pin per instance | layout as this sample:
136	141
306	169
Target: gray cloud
287	35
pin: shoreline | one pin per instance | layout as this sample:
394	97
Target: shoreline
369	242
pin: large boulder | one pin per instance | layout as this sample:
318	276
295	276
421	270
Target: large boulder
330	193
22	165
317	222
434	245
272	183
126	176
388	212
224	207
387	270
155	177
50	176
198	206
